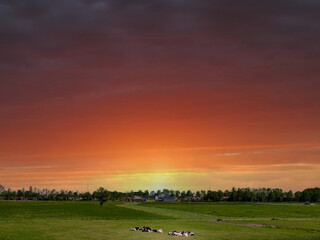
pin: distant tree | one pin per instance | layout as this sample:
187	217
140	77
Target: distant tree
316	195
189	193
226	193
62	195
140	193
177	193
198	194
171	193
52	195
306	195
209	195
298	196
183	194
75	195
9	195
240	195
289	196
263	196
19	193
87	196
166	191
2	189
233	194
220	195
278	195
131	194
102	195
146	194
69	195
271	196
203	194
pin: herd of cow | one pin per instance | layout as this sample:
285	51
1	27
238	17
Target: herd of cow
181	234
145	229
174	233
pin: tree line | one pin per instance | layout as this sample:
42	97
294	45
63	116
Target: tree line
101	194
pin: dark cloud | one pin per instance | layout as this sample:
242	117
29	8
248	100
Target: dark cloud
54	48
56	28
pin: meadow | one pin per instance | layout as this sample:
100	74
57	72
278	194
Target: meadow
113	220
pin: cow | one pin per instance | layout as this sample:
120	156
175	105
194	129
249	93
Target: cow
180	234
146	229
185	234
174	233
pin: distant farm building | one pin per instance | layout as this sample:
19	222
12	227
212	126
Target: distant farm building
165	198
191	199
137	199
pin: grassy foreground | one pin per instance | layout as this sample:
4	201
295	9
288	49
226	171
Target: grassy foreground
88	220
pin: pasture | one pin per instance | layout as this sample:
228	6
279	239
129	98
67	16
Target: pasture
113	220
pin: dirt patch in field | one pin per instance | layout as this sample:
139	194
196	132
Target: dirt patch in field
246	224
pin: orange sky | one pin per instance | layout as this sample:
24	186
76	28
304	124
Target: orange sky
166	94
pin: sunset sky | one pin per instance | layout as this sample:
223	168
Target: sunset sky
174	94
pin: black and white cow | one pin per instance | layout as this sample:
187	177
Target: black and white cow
181	234
143	229
146	229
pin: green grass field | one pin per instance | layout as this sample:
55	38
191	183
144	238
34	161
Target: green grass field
245	210
88	220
